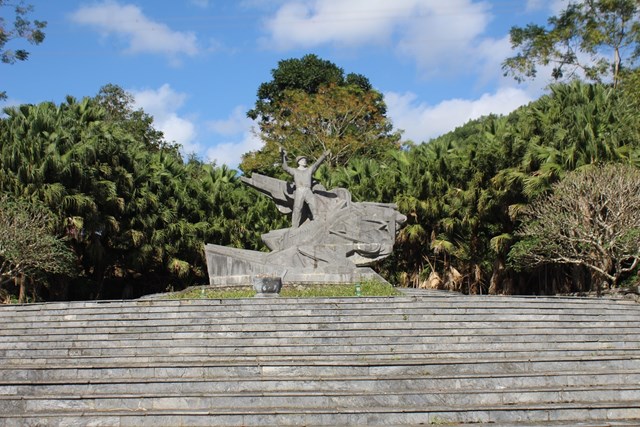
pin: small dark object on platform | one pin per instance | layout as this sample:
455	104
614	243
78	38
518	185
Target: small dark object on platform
266	285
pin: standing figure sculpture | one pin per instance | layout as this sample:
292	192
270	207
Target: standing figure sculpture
303	178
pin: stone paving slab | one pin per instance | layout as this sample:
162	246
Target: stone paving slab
353	384
346	416
118	312
300	400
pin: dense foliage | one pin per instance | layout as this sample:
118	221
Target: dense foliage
464	192
132	215
127	204
309	107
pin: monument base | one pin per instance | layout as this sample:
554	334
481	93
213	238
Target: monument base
232	267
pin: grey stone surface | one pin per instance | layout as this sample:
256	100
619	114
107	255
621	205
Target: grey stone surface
333	244
424	358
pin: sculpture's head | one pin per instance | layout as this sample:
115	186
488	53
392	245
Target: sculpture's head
302	161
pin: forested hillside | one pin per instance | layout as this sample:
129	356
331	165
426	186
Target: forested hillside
465	192
95	203
133	214
132	211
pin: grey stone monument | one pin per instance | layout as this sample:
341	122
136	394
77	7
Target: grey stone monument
332	239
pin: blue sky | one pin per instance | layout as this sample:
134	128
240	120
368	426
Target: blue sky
195	65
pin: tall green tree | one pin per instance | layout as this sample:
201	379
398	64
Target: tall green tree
311	106
307	74
344	120
19	28
118	105
598	38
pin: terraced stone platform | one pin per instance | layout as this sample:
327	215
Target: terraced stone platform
422	358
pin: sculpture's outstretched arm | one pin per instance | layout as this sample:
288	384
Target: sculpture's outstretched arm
316	165
285	166
276	189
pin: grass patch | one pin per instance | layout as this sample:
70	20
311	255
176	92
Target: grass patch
369	288
207	293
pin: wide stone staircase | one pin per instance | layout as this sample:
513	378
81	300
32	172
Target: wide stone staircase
421	358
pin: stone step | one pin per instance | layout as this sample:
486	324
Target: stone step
460	299
248	401
433	339
124	312
311	324
318	337
10	364
342	331
441	415
212	309
169	381
262	323
279	306
425	358
615	336
344	351
250	305
133	312
311	347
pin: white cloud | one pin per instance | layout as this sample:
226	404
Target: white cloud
163	105
142	34
422	122
311	23
230	153
557	6
491	53
237	129
533	5
443	37
440	36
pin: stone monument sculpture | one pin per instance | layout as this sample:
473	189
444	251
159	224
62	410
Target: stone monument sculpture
332	239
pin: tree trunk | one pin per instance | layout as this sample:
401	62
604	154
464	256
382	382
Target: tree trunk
616	68
21	282
496	276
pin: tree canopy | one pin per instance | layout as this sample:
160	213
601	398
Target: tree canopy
310	106
464	192
128	205
597	38
308	74
28	245
20	28
117	104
